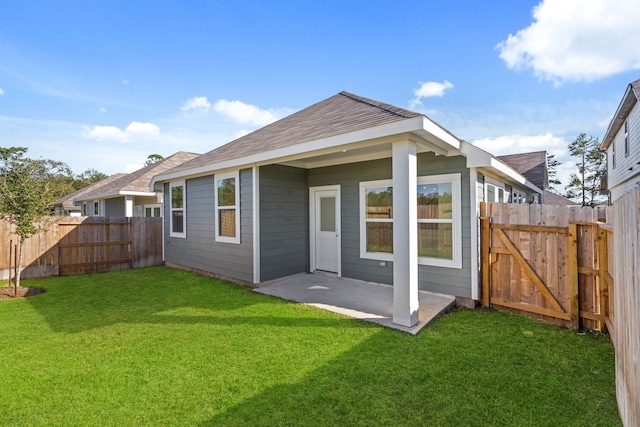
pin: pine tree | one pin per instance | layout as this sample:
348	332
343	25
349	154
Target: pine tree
584	186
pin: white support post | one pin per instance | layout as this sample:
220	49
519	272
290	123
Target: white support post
128	206
405	234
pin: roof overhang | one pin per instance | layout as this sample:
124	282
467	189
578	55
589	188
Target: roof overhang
478	158
359	145
626	105
112	194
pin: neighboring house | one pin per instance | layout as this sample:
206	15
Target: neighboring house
67	207
555	199
532	166
129	194
350	187
622	144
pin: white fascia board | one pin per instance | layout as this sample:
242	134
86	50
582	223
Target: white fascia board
622	112
442	137
418	125
112	194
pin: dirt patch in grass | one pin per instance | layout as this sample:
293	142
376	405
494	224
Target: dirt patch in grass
9	292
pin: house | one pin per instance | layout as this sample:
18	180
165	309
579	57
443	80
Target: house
66	205
622	144
350	187
557	200
128	195
532	166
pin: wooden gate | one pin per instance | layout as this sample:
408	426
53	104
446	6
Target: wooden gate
544	261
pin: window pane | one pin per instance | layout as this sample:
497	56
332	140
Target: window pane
434	201
327	214
177	222
500	195
176	197
227	192
156	212
147	212
95	208
435	240
379	202
227	218
491	193
380	237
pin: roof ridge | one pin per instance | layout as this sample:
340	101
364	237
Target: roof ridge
372	103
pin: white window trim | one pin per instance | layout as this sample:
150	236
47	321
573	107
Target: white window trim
225	239
183	209
498	186
152	206
456	221
381	256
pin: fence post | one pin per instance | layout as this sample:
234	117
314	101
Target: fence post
574	291
485	231
603	269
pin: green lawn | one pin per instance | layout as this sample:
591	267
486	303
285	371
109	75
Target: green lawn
158	346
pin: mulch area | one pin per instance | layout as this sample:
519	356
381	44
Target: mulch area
8	292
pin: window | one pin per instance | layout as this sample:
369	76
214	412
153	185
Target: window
439	220
152	211
519	198
376	227
496	193
84	209
626	139
227	208
613	154
178	218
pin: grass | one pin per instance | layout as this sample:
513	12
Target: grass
159	346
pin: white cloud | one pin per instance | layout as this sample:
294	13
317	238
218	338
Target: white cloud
429	89
577	40
124	81
113	133
241	133
106	133
103	110
247	113
1	92
137	128
199	104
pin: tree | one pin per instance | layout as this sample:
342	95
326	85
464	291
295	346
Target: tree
552	171
28	190
585	184
153	158
86	178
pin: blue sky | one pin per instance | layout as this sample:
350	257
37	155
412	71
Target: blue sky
103	84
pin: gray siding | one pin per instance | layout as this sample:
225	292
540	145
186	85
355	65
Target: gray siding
114	206
627	170
438	279
199	249
284	221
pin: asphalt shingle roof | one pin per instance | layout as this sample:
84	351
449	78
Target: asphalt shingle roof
337	115
139	180
532	166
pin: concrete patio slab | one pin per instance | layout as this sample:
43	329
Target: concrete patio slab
372	302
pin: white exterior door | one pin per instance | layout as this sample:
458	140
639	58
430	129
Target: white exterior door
325	216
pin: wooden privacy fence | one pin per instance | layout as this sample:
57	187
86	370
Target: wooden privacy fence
74	245
625	315
546	261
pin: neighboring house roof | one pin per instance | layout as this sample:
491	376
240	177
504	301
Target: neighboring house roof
136	183
532	165
344	126
67	201
555	199
629	100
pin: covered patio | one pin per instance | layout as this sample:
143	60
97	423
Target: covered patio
372	302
